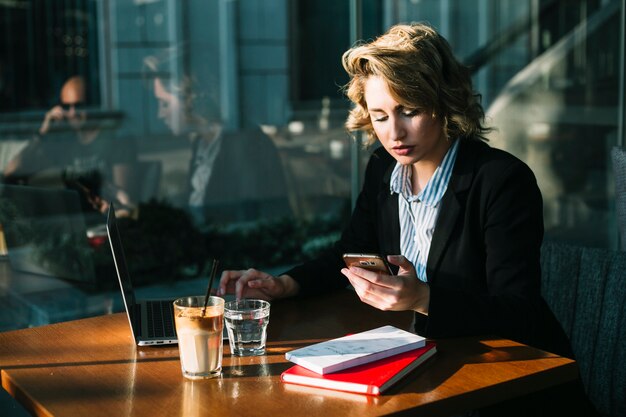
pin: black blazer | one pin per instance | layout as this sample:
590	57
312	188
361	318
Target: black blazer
483	266
247	179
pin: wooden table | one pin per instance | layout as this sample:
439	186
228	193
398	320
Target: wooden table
91	367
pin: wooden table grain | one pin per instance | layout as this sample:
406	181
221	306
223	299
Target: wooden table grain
91	367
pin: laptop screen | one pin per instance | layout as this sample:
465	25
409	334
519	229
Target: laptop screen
115	240
45	232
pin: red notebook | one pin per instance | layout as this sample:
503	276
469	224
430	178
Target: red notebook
371	378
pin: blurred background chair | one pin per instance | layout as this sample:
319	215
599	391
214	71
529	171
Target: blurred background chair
618	155
585	288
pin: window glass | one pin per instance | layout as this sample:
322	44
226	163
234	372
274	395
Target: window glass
42	43
216	130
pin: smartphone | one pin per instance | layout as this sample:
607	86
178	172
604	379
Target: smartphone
371	261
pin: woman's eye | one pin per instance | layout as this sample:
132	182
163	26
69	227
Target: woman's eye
410	112
379	118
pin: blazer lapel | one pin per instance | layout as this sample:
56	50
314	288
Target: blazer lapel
389	228
451	205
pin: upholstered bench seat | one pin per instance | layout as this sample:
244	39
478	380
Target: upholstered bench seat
586	289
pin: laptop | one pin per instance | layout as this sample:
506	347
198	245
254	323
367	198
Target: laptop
45	232
151	321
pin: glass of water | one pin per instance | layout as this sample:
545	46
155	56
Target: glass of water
246	322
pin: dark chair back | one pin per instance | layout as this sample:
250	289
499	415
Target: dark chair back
586	290
618	155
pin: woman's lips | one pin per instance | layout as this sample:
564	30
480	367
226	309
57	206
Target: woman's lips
402	150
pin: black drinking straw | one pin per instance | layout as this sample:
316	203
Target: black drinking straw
208	290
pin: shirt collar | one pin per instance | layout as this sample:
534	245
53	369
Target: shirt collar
400	182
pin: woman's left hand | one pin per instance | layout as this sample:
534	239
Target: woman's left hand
391	292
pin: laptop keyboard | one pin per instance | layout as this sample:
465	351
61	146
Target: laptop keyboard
160	319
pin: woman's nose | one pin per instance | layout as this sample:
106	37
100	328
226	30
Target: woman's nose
397	129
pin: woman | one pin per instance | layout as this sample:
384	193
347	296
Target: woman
461	222
227	182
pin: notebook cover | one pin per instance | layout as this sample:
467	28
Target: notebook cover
372	378
355	349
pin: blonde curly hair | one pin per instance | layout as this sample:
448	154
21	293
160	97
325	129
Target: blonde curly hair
422	73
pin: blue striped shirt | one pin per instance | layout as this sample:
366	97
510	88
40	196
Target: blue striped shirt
418	213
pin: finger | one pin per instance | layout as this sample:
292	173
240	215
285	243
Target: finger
266	282
267	286
104	206
366	287
357	280
375	298
223	282
375	277
406	267
56	113
227	280
242	282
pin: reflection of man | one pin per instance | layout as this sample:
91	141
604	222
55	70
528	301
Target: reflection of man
233	176
86	158
70	109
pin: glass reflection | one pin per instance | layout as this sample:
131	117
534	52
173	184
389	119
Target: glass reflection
216	127
234	175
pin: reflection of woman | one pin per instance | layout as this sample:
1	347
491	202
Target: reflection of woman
88	159
233	175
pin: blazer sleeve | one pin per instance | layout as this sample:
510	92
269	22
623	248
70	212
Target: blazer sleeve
323	274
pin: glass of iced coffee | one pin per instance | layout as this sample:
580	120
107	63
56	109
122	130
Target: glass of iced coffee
199	332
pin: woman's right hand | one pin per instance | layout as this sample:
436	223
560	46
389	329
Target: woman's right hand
251	283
